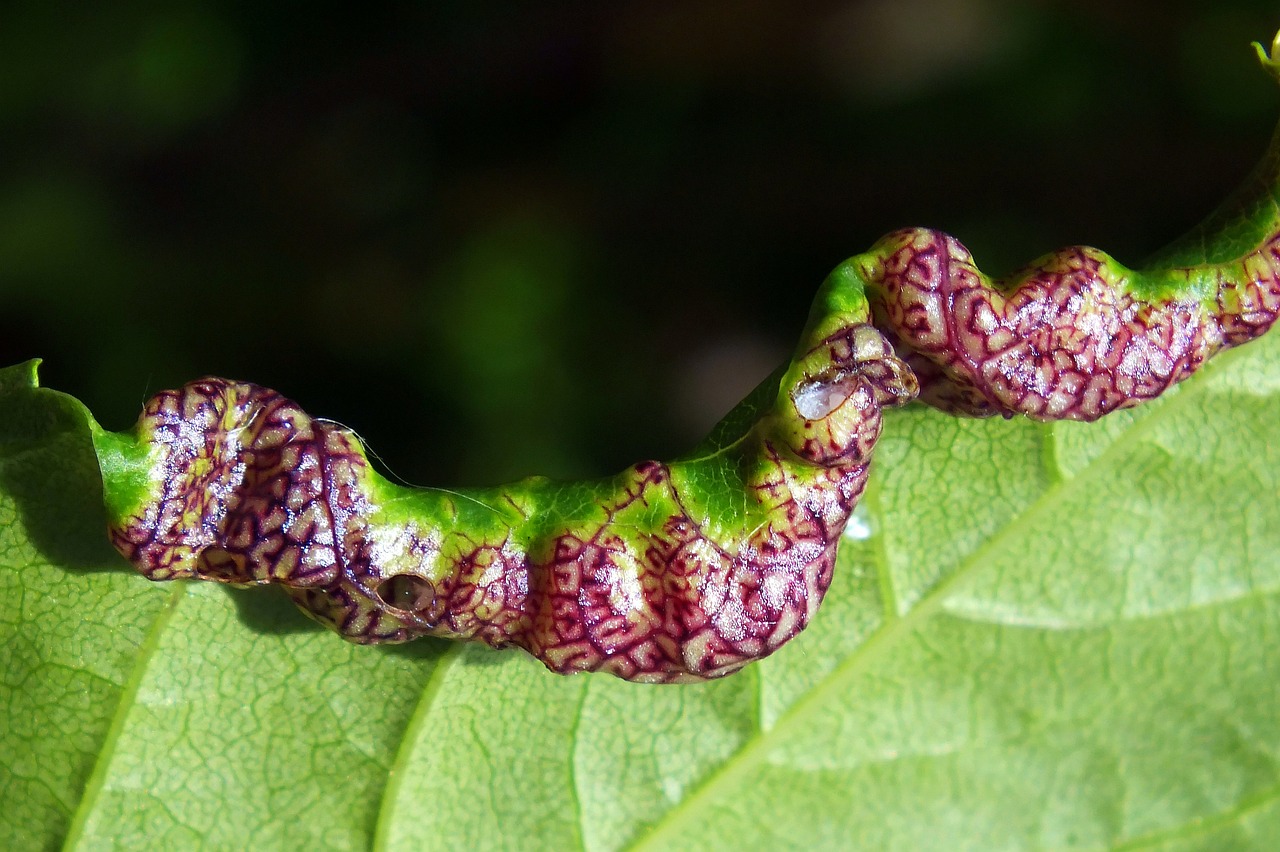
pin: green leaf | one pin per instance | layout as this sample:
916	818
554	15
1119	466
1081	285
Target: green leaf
1043	636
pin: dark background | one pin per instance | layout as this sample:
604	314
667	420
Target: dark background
506	238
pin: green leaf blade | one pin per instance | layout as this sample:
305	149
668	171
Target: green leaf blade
70	626
293	749
1038	636
979	715
490	763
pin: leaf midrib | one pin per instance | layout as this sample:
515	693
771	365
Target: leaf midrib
408	740
886	636
128	699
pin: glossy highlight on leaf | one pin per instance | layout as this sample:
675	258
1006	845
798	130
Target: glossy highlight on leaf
689	569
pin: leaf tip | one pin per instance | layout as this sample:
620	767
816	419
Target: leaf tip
1268	60
22	376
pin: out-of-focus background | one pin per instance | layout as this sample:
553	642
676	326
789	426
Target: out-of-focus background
501	238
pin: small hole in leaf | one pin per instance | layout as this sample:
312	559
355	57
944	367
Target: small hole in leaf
407	592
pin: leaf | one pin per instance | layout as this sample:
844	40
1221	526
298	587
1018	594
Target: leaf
1050	636
157	716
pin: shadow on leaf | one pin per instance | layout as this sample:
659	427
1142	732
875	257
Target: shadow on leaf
269	610
49	469
427	648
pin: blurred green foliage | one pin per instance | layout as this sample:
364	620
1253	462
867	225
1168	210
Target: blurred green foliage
506	238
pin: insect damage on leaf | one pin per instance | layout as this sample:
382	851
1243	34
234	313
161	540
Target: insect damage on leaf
689	569
1072	337
636	575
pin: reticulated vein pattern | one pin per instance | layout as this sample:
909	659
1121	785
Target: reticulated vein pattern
643	575
690	569
1074	336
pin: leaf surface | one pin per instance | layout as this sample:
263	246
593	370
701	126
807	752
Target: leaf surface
1039	636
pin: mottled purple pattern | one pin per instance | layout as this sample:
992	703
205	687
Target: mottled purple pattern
680	605
1062	339
252	490
629	580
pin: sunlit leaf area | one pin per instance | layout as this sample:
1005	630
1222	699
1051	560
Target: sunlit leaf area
499	239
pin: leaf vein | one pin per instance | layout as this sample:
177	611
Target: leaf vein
753	749
128	696
395	774
1203	825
